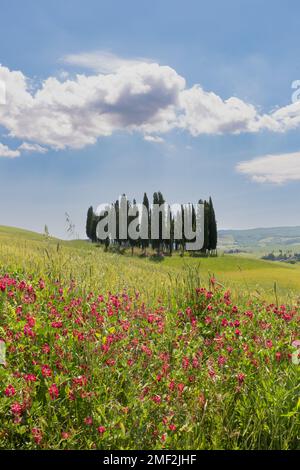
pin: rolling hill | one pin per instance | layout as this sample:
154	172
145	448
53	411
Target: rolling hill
259	238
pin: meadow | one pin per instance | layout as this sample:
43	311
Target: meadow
119	352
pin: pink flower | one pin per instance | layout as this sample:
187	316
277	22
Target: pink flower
278	356
53	391
57	324
172	385
88	421
101	429
37	435
241	378
10	391
81	381
30	378
222	360
156	399
46	349
172	427
46	371
28	331
16	409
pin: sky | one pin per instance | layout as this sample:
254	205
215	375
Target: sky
191	98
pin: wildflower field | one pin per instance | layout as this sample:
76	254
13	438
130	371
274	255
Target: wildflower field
109	352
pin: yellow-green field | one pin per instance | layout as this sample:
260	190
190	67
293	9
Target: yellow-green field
93	268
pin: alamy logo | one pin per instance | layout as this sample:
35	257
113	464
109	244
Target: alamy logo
160	222
296	93
296	353
2	352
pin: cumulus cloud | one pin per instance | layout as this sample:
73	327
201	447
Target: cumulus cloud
5	151
101	61
123	95
74	113
207	113
154	138
32	148
276	169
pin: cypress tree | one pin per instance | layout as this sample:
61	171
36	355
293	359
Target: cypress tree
155	242
162	223
116	207
89	222
206	226
131	218
183	230
145	223
213	231
94	223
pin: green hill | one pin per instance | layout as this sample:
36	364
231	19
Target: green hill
19	233
27	251
259	238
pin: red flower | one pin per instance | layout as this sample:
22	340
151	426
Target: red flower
156	399
53	391
172	385
185	363
16	409
88	421
172	427
28	331
37	435
30	378
278	356
46	349
101	429
222	360
241	378
46	371
10	391
57	324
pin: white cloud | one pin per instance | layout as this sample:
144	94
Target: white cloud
154	138
101	61
207	113
76	112
276	169
34	148
5	151
123	95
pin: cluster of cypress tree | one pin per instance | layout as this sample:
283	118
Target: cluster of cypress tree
160	245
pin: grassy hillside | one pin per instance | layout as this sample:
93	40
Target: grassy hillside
91	266
19	233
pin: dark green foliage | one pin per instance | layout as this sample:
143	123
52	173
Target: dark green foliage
166	241
89	222
212	227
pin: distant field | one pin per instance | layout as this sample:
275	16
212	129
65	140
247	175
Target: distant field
259	241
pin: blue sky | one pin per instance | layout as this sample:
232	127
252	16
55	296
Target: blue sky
148	127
